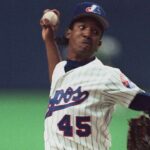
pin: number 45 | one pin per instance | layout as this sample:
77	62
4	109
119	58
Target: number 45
83	128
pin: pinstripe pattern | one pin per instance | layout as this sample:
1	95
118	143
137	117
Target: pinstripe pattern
105	90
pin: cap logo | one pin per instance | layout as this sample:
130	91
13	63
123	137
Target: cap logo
93	9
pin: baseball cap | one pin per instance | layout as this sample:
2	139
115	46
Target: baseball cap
92	10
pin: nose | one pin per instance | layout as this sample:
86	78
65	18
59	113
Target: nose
87	32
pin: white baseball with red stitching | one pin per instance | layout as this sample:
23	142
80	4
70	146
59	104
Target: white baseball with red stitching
52	17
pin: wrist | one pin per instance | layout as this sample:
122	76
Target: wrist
49	40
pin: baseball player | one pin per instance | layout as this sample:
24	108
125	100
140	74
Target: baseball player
84	92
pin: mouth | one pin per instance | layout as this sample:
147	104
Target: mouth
87	43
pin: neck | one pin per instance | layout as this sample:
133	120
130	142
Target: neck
79	57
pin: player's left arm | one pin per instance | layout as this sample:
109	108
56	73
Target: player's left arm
141	102
126	93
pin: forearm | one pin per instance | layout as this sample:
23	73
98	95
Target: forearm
141	102
53	56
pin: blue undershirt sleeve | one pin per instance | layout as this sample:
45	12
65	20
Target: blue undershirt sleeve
141	102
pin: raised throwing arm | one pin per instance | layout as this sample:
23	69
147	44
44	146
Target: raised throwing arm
48	35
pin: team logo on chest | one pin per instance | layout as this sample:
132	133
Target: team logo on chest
66	98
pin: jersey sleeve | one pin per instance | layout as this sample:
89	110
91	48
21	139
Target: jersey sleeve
57	73
121	89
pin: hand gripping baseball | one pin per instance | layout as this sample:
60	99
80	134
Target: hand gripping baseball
49	23
50	17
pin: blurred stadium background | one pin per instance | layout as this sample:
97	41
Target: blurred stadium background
24	85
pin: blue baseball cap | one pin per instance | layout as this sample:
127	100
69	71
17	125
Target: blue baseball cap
92	10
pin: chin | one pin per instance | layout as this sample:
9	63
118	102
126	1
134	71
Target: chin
84	53
85	48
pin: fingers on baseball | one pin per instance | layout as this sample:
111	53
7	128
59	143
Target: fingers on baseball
46	24
54	10
46	10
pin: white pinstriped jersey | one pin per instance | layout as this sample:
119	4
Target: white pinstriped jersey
81	105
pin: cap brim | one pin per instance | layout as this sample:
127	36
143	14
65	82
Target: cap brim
100	19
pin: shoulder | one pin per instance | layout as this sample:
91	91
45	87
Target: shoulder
58	70
60	64
106	68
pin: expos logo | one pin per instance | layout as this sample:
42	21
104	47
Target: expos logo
64	99
94	8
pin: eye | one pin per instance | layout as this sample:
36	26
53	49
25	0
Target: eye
95	32
81	26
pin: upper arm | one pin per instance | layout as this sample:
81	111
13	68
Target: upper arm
120	88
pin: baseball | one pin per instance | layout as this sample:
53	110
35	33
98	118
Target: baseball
52	17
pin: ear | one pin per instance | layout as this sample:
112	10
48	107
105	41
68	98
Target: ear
100	43
67	34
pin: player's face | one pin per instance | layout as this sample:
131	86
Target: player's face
84	38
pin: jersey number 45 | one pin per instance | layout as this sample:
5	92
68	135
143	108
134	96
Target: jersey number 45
83	129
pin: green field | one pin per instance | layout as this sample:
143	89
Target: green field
22	116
